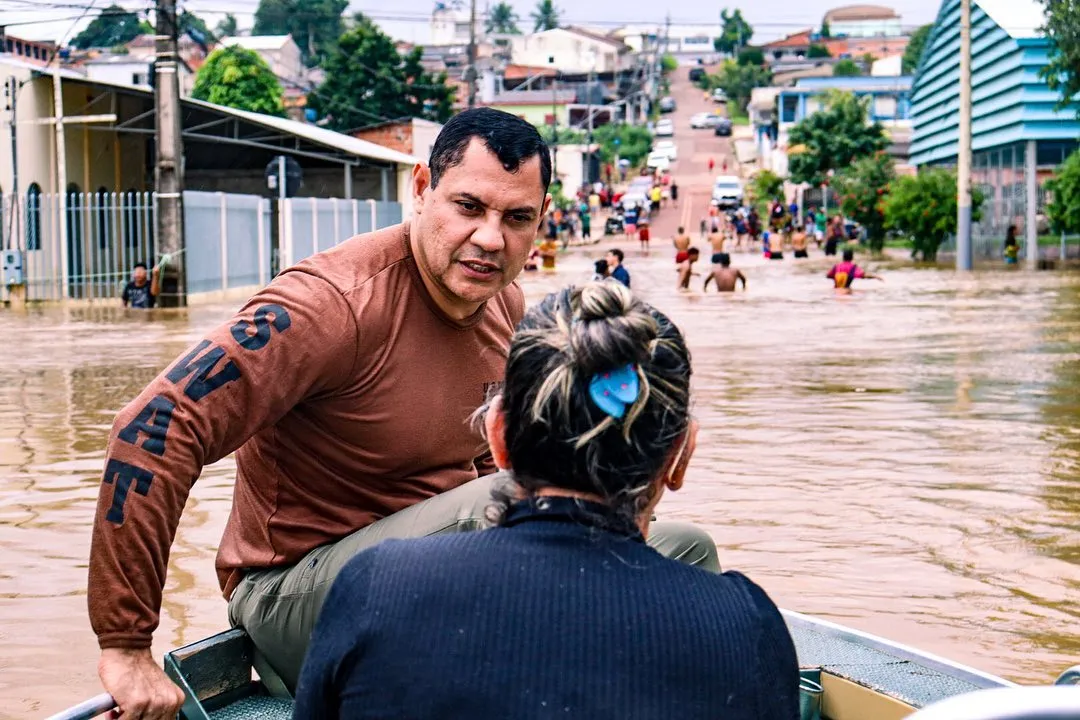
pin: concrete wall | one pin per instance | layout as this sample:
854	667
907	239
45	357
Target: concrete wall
318	182
570	50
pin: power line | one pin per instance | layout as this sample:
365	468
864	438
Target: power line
237	9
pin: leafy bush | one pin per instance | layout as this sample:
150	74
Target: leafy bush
923	209
1064	208
862	188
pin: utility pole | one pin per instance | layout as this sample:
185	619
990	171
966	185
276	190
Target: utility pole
61	176
588	172
963	159
11	91
170	153
470	71
554	119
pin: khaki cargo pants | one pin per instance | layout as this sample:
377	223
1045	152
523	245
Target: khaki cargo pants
278	607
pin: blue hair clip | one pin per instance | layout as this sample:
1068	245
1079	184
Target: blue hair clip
613	390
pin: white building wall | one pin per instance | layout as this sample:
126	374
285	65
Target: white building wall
572	52
867	28
424	133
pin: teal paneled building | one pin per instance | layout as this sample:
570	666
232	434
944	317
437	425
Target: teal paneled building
1018	135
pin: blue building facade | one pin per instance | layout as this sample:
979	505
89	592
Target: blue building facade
889	97
1019	137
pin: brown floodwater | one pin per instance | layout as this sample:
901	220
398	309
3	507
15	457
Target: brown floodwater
905	460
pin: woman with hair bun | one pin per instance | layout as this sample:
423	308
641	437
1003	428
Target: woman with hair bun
561	610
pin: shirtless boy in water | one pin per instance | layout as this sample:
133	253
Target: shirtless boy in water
681	241
686	267
723	274
717	239
799	242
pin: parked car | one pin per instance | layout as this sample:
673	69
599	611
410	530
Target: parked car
658	160
667	104
727	191
669	147
718	95
664	128
696	74
703	120
722	126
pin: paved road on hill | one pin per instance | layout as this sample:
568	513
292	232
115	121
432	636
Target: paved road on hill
691	170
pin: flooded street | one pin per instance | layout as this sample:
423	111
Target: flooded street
905	460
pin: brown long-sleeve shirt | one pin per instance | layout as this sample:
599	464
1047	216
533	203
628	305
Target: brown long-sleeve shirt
346	393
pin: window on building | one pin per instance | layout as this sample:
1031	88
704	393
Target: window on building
74	216
885	106
131	218
33	217
789	107
103	213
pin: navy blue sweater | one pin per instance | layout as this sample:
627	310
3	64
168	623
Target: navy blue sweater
561	612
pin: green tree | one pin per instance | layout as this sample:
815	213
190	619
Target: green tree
764	186
846	68
1060	26
862	188
545	16
832	138
227	27
669	64
239	78
825	31
1064	208
735	32
914	49
738	81
818	51
315	25
631	142
113	26
503	20
923	209
368	81
192	23
751	56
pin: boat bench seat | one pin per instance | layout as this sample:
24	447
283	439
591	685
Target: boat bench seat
218	683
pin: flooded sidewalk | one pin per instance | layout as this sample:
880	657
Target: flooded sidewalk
905	460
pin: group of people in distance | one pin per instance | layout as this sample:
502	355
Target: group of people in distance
444	502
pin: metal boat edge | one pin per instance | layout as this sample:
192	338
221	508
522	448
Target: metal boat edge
899	650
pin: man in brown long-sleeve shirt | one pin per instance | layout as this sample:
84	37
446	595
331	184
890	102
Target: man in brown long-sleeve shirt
345	388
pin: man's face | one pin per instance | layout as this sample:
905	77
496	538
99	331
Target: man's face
473	232
612	260
139	275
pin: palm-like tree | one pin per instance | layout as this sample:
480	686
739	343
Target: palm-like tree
503	20
545	16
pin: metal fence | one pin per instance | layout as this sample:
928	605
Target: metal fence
227	241
80	245
84	245
314	224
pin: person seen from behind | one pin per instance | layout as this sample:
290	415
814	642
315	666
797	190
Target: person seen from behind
843	274
593	423
723	274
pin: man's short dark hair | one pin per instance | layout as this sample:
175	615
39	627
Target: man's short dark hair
849	255
693	251
138	265
617	253
512	139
